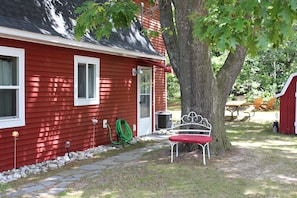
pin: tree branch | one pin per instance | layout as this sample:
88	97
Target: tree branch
169	33
231	69
290	61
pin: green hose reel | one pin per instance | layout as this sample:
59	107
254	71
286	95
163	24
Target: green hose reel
123	132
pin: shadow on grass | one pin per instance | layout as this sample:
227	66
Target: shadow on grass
261	164
154	176
259	134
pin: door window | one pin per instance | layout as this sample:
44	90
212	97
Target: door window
145	94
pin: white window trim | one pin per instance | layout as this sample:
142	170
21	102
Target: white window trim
86	60
20	119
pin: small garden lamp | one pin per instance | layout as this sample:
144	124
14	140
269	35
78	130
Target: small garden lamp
67	146
94	121
15	135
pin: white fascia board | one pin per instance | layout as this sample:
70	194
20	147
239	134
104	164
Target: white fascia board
62	42
286	85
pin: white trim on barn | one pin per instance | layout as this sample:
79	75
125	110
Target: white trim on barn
286	85
295	123
284	91
73	44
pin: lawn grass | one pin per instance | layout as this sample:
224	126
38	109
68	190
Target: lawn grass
261	164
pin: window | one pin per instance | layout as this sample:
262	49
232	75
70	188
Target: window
12	89
86	80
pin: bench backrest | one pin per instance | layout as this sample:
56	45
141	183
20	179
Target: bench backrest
192	123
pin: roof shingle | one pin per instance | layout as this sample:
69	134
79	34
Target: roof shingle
57	18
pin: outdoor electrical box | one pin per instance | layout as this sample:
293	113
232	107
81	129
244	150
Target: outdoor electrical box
104	123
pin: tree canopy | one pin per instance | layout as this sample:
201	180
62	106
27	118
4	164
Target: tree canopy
102	17
255	24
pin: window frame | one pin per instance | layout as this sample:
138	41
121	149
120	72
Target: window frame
19	119
86	60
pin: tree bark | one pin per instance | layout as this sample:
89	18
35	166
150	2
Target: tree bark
201	90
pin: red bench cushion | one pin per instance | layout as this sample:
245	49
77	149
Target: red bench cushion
190	138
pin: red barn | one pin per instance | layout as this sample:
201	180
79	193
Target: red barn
52	86
288	104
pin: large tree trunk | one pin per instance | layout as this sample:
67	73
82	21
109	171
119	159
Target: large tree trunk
201	90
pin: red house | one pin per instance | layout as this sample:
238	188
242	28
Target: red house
52	86
288	106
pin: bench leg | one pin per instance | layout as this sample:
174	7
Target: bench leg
203	146
203	153
172	144
249	115
208	150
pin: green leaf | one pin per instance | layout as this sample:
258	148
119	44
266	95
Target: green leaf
293	4
262	41
233	43
285	13
249	6
239	25
222	42
285	30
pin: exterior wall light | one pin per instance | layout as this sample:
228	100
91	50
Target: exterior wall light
136	71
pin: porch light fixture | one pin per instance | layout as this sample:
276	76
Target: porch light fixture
136	71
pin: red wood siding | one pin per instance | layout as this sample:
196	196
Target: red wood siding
151	21
52	118
160	86
287	109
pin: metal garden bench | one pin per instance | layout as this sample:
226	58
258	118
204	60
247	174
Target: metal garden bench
193	129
